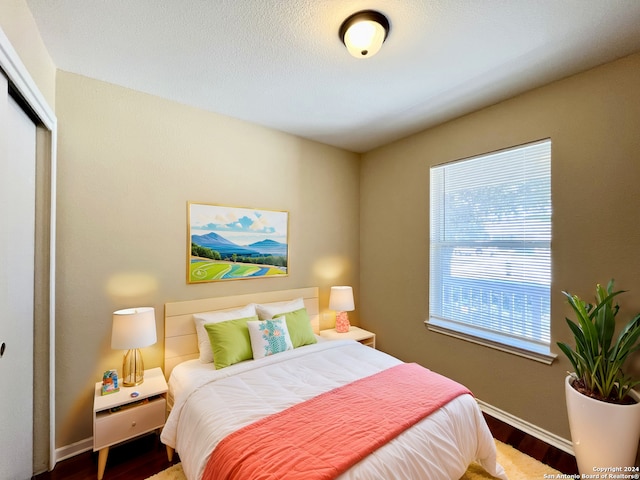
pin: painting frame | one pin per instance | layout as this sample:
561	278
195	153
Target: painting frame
235	243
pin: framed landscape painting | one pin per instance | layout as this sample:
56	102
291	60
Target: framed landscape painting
232	243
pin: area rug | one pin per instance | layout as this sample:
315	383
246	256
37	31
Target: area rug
517	465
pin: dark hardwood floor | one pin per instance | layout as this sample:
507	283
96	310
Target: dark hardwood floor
147	456
541	451
135	460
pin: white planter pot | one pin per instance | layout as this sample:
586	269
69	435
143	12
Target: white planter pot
603	434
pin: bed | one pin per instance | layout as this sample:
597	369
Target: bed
249	399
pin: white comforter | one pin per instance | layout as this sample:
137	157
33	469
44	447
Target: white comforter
209	404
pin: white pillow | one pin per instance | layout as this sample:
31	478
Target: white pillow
268	310
204	345
269	337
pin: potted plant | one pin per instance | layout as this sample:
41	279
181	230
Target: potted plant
603	407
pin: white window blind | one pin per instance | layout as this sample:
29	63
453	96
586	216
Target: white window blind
490	249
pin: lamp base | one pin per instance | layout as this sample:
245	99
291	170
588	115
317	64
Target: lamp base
342	322
132	368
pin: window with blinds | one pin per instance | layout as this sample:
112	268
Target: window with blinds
490	249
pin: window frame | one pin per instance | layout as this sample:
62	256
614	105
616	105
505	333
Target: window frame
537	350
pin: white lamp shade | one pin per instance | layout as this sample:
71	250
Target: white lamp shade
341	299
133	328
364	38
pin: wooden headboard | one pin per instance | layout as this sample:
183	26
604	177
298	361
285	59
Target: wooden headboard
180	339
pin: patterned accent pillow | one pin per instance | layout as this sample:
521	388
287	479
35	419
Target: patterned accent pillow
269	337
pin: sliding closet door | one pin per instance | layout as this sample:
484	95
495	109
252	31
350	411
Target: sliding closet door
17	220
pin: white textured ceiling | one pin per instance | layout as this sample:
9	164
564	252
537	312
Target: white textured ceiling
280	63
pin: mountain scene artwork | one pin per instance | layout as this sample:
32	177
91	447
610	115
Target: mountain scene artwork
230	243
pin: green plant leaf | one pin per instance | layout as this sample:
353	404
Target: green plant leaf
578	335
604	314
566	349
626	343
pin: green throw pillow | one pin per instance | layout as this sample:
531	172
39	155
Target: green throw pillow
230	341
299	327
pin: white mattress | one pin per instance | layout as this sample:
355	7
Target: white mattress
209	404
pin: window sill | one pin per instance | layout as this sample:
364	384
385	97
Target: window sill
538	356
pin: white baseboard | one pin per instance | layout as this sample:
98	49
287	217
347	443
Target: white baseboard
529	428
74	449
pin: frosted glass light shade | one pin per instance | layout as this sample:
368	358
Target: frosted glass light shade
363	33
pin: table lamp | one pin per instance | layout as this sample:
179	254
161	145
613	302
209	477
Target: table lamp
133	328
341	300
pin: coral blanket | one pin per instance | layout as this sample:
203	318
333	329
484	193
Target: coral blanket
324	436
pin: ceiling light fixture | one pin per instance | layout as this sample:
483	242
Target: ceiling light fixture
363	33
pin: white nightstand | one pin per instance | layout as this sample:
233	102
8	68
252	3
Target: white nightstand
119	416
355	333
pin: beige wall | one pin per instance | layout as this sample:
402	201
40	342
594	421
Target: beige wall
127	165
20	28
593	120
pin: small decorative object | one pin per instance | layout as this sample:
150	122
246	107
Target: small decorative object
231	243
132	329
341	300
110	382
603	407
